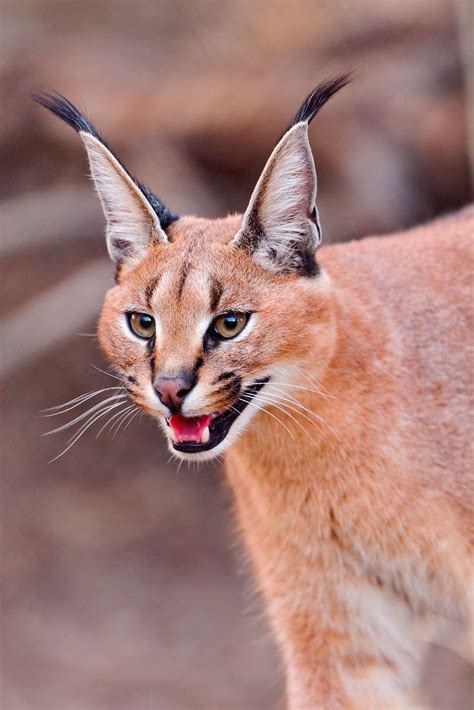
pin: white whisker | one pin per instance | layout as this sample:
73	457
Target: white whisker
304	409
252	424
134	415
84	428
82	416
299	387
283	408
286	408
252	401
127	413
315	382
95	416
112	418
77	401
109	374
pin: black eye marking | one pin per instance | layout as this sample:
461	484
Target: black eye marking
208	343
131	379
150	346
197	364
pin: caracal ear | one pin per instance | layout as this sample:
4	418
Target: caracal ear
280	227
136	218
132	224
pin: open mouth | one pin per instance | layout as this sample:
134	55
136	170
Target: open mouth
195	434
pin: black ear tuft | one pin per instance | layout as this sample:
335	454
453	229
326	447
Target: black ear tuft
319	96
65	110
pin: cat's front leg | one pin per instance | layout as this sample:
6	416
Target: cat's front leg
353	662
340	684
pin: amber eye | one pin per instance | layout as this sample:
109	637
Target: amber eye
142	324
228	325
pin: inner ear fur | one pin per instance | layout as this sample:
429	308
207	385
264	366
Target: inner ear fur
280	227
135	216
132	224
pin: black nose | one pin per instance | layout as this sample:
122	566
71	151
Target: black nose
172	390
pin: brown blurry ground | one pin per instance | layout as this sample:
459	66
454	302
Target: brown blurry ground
121	585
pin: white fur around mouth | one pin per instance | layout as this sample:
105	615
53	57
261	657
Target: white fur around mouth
216	429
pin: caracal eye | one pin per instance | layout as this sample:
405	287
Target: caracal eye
142	324
230	324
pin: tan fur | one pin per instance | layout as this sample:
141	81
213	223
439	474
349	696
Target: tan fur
357	517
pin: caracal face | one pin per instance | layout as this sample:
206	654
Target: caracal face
196	290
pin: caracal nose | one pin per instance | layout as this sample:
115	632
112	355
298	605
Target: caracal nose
172	390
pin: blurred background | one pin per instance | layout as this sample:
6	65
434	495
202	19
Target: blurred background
122	585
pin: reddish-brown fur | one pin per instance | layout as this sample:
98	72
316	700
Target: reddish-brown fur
386	506
360	528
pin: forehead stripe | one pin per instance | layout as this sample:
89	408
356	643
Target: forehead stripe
182	278
150	289
215	294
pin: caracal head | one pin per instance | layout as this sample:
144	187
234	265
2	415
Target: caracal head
211	320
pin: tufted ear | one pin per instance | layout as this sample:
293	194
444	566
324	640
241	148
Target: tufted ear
135	217
280	227
132	224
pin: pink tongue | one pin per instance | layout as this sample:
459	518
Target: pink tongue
189	428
